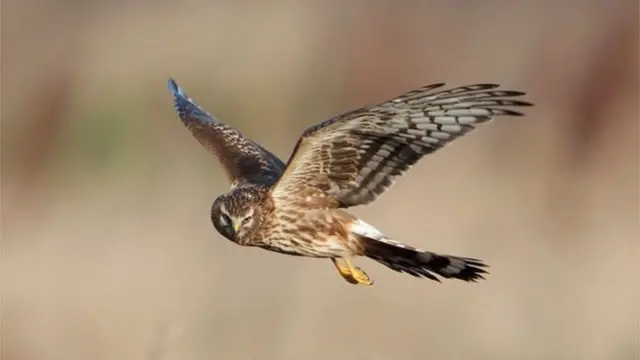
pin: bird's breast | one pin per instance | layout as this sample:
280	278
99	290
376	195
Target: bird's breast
313	233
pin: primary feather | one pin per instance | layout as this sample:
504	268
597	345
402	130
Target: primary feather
353	158
244	160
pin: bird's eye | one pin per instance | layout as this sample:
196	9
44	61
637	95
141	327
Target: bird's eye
247	219
225	220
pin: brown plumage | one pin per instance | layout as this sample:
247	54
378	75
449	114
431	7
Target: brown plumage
346	161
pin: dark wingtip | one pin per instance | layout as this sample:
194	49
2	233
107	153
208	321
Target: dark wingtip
473	271
174	88
185	107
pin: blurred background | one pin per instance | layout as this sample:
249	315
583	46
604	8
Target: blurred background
107	247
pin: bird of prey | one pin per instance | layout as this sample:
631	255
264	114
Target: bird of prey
298	208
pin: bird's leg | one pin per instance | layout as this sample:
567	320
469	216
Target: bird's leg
351	273
358	275
344	271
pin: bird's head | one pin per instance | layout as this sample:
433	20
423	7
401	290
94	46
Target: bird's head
236	215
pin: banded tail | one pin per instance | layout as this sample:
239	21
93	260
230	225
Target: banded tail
419	263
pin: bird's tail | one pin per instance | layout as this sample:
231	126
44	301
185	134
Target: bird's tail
403	258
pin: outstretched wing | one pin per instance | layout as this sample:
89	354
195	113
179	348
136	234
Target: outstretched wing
353	158
244	160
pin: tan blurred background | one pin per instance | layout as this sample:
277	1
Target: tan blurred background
107	247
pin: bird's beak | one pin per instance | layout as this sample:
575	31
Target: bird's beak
236	226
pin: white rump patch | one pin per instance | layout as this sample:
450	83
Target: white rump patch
361	228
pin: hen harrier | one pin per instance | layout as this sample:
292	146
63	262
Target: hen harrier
349	160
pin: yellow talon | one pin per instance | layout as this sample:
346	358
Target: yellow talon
344	272
358	275
351	273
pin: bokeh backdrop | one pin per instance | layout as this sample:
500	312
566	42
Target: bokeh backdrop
107	247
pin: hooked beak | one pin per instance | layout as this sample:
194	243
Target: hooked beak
236	227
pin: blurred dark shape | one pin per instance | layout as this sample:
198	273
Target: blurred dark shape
611	71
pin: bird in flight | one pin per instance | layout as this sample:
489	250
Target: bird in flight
298	208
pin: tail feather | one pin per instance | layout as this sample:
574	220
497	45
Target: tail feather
403	258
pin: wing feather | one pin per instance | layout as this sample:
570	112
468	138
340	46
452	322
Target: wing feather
353	158
244	160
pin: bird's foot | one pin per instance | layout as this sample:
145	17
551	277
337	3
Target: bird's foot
352	274
361	277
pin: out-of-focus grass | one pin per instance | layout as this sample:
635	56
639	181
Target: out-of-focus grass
124	252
